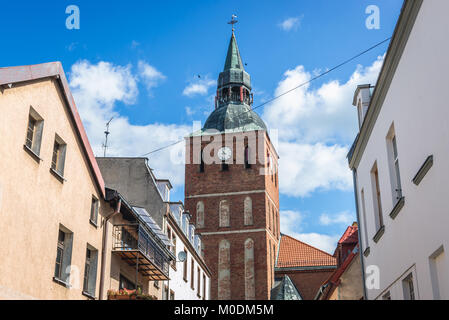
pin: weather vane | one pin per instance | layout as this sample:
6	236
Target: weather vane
233	21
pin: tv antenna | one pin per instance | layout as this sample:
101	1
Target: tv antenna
106	133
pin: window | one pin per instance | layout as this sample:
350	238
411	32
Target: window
94	210
360	113
192	274
165	293
34	132
224	166
63	255
59	254
90	271
171	236
185	268
376	197
247	162
224	214
393	163
58	158
198	279
172	295
204	287
408	287
156	284
201	167
174	250
125	283
438	274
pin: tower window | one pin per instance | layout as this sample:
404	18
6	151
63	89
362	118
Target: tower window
201	167
224	166
247	164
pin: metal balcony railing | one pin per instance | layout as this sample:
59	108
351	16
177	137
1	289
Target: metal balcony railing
134	243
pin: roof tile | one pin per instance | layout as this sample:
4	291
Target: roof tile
295	253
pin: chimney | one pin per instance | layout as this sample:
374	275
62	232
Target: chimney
362	98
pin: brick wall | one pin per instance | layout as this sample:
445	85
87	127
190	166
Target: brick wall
308	282
235	185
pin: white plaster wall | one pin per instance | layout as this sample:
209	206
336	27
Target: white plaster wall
417	104
182	289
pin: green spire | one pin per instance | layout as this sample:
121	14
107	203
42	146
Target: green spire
233	59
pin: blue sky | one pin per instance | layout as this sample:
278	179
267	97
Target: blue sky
138	61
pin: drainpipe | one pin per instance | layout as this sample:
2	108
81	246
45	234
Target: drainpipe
104	246
354	176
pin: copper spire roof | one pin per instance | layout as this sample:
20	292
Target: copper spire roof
233	59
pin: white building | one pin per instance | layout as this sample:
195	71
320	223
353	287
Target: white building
189	279
400	161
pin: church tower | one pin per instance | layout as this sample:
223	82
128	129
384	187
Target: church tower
232	189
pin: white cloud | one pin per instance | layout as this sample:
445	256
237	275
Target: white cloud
315	128
292	225
189	111
305	168
324	114
345	218
291	23
198	87
97	88
321	241
149	74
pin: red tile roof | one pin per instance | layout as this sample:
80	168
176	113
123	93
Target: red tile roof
12	75
350	235
294	253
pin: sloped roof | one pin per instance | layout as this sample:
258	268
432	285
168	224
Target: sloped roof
295	254
285	290
350	235
233	59
11	75
234	118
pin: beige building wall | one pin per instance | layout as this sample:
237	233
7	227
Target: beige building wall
33	202
351	286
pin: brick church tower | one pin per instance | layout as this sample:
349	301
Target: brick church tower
232	189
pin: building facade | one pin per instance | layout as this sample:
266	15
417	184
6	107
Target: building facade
232	189
190	278
135	181
399	161
307	267
140	253
51	190
346	282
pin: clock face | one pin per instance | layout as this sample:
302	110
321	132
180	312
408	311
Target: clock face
224	153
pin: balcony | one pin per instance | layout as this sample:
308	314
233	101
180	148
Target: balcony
134	244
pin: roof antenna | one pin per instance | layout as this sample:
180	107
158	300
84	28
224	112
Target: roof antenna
233	21
106	133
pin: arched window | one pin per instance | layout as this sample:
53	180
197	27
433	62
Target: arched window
200	214
248	211
274	221
247	162
224	270
224	214
201	167
250	284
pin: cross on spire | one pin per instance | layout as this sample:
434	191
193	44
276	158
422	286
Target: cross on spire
233	21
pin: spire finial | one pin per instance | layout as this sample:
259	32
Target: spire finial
233	21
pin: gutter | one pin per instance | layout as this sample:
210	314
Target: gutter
359	233
104	246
